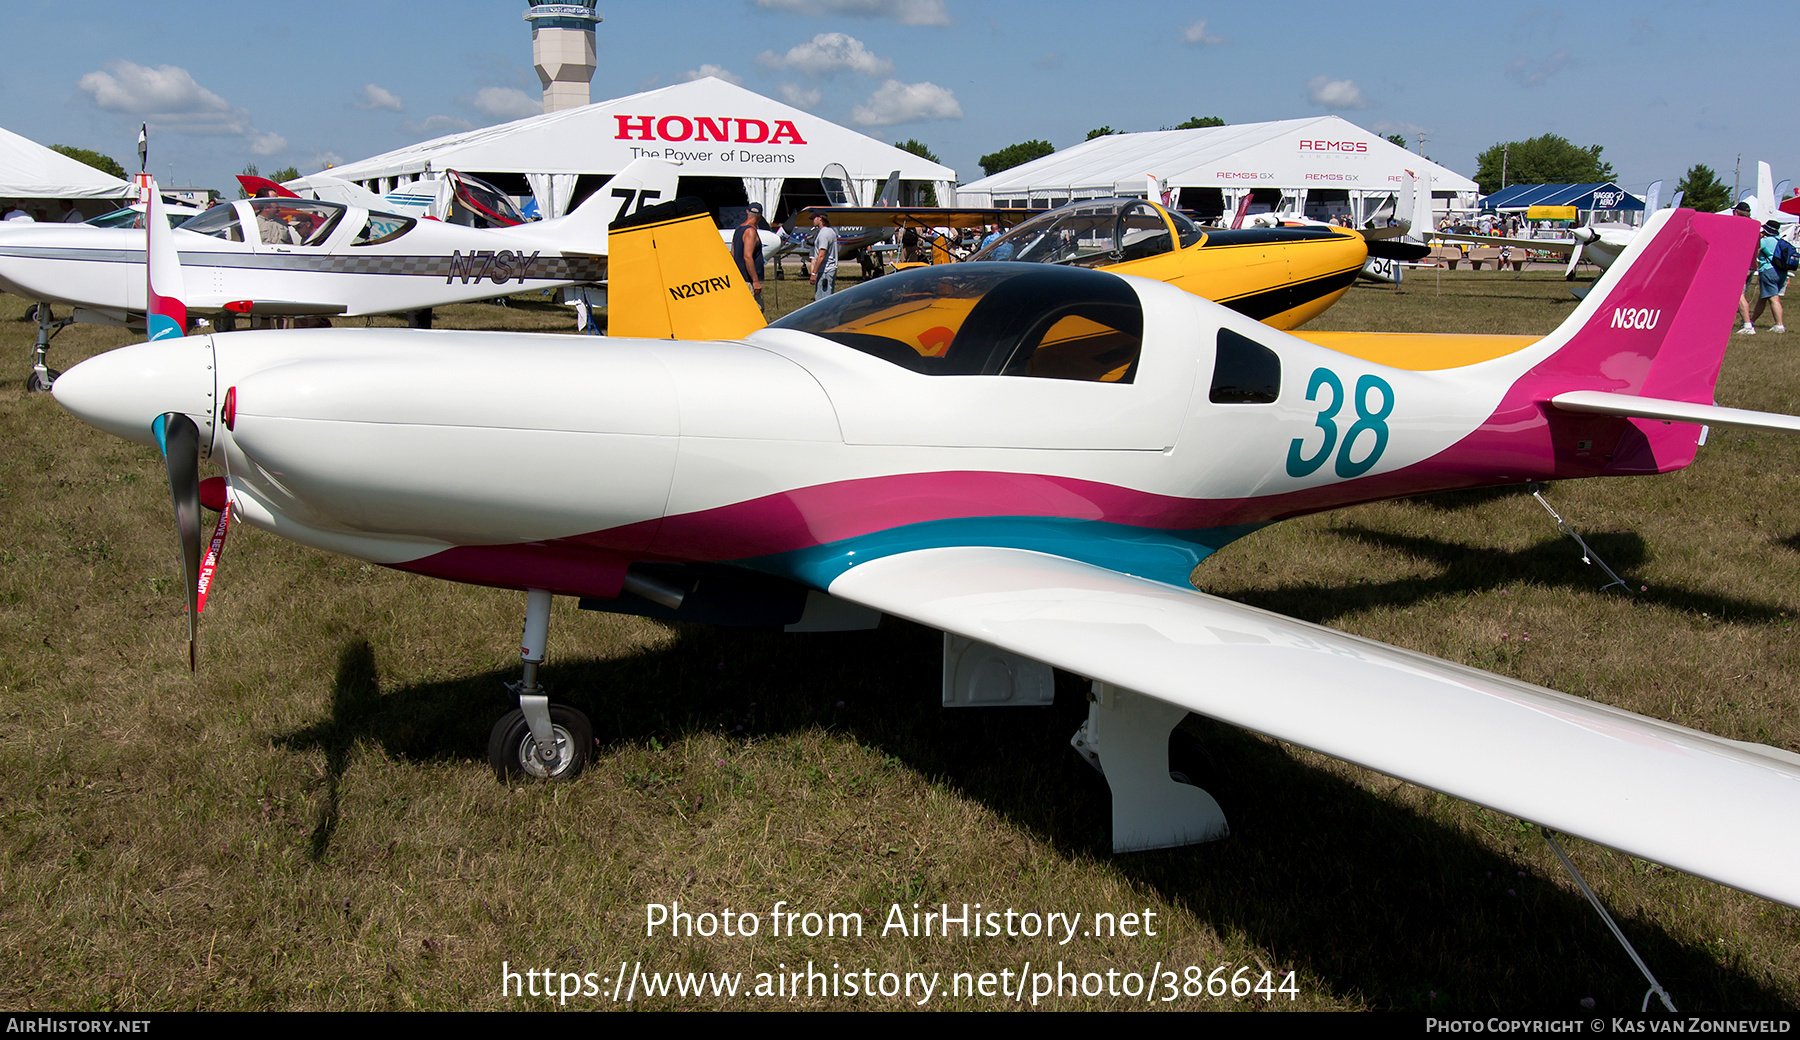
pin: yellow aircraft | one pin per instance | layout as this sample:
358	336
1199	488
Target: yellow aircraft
1281	276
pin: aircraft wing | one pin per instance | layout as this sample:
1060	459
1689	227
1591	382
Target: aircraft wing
1722	809
890	216
1549	245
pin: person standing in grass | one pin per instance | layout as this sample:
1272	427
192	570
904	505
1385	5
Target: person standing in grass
825	257
747	250
1742	209
1775	260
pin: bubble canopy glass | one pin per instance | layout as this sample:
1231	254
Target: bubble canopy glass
988	319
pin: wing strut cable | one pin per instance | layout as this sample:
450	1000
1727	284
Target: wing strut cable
1655	986
1587	555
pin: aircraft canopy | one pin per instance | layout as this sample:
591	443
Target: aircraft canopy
1100	231
1040	320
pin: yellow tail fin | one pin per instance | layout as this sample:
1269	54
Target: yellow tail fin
670	277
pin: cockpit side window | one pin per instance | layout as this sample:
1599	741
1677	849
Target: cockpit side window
1188	231
382	227
1094	342
1142	233
219	222
1244	371
295	222
122	218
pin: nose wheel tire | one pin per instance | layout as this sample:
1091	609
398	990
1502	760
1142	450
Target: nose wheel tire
514	754
35	383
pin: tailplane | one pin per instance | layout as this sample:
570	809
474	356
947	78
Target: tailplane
669	277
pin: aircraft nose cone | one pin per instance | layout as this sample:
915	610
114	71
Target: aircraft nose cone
122	391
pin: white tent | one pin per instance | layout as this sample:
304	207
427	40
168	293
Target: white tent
28	170
1325	157
714	129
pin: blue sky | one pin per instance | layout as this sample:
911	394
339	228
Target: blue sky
1661	86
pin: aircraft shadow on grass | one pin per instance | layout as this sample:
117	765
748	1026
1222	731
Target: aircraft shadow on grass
1382	902
1554	562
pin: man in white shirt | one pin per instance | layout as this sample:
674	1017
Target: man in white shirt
71	215
825	257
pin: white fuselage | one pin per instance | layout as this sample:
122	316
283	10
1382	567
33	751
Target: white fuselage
428	264
394	446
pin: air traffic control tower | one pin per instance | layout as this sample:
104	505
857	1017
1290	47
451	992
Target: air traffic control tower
562	46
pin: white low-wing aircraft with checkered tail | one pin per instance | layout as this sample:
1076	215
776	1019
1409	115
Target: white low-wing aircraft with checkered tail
1032	459
287	257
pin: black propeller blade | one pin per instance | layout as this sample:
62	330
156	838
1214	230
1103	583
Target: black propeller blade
180	442
1406	252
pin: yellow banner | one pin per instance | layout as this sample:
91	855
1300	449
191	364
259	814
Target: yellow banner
1552	213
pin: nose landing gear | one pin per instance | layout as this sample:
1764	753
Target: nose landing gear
535	739
42	375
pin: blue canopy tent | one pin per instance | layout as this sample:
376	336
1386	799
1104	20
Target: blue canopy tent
1590	199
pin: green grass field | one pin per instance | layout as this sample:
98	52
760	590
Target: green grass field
312	823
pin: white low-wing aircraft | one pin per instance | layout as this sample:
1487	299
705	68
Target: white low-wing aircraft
291	257
1032	458
1599	244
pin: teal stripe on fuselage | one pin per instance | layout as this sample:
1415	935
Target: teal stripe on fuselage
1165	556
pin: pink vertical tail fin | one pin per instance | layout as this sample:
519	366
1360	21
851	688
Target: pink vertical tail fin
1655	326
1658	322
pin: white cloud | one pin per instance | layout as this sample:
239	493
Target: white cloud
504	103
1401	127
437	125
261	143
897	102
906	12
1336	93
167	97
1530	73
374	97
326	159
801	97
1197	35
717	72
826	53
